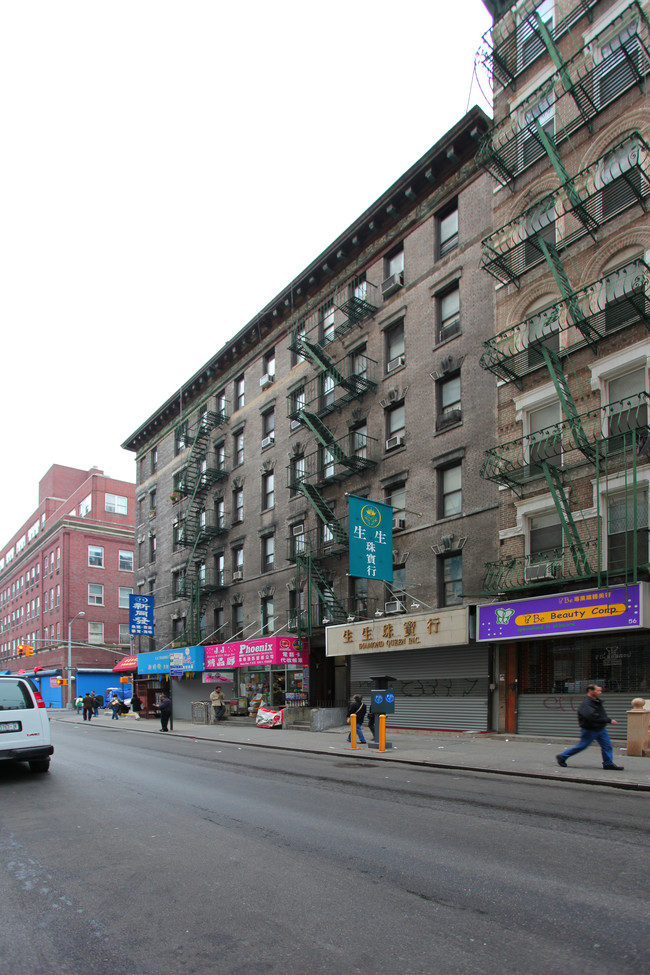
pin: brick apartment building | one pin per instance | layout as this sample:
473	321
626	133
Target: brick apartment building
569	154
70	563
361	377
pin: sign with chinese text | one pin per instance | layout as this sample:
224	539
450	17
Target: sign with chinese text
126	663
158	663
438	628
587	611
140	615
279	650
371	539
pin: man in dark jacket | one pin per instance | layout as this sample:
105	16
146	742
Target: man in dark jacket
358	708
165	708
593	721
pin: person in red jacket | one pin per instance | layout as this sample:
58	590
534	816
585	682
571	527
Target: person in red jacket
593	720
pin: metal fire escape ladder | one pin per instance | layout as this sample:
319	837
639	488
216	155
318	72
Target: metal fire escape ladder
324	512
577	315
569	408
589	222
324	363
553	478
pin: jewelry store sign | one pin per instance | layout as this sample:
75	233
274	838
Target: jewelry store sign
419	631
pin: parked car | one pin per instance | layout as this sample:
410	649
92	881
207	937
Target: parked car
24	724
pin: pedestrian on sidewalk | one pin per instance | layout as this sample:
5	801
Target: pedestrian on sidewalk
593	721
136	706
115	707
371	723
79	703
165	708
218	704
357	707
96	703
88	707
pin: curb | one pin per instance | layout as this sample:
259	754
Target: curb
418	763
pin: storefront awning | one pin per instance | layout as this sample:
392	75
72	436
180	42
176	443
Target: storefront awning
126	663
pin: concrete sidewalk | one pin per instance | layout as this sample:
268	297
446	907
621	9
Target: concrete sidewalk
495	754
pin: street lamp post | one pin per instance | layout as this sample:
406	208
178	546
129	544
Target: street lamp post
70	701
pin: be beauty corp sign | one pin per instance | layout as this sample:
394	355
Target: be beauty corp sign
587	611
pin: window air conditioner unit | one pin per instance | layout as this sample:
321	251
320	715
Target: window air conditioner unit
392	284
237	576
399	523
394	606
268	441
267	380
298	529
395	363
540	570
396	441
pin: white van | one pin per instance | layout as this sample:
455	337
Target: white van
24	724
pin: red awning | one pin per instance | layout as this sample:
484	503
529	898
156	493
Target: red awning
126	663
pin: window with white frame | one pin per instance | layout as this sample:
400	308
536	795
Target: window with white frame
296	473
328	391
125	635
326	322
268	552
237	505
448	313
627	529
450	572
268	428
220	568
395	347
238	447
327	463
123	597
96	556
544	544
450	493
240	394
268	490
267	611
395	418
544	439
95	633
95	594
238	558
449	409
125	561
117	504
627	415
447	229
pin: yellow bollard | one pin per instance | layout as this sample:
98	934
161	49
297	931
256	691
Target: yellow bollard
353	731
382	732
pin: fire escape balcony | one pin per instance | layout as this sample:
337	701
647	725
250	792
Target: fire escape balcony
200	475
347	307
597	194
320	543
338	384
512	44
555	566
572	97
611	431
202	527
616	301
335	461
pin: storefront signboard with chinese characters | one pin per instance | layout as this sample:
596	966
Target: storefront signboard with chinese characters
190	659
277	650
586	611
371	539
437	628
141	615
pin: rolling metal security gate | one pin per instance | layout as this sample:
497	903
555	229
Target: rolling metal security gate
434	689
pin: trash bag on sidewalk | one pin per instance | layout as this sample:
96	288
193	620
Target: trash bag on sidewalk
268	718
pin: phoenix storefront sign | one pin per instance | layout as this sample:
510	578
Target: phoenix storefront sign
440	628
271	650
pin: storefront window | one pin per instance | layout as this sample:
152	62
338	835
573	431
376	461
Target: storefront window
273	686
618	662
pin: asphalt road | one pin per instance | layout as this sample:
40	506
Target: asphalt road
154	854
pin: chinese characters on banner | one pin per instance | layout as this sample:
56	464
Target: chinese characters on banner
371	539
141	615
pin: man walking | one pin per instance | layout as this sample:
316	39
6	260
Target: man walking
593	721
88	706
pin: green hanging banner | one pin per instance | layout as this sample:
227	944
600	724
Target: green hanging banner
371	539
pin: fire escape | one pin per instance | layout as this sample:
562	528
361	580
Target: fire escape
609	439
336	382
197	524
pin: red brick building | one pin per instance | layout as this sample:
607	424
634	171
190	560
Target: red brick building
73	556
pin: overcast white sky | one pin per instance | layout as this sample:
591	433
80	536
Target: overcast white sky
153	153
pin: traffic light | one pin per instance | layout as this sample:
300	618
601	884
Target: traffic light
21	649
61	682
29	651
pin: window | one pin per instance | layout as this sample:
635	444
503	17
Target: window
620	62
451	573
628	411
359	441
95	556
181	437
449	409
297	538
541	331
395	426
394	263
394	346
326	322
268	428
123	597
529	144
116	503
538	222
240	397
154	460
544	544
221	402
268	616
627	542
220	513
237	505
622	178
328	391
268	365
395	495
85	506
299	334
359	593
448	313
529	41
238	447
544	441
268	552
125	636
95	633
58	558
447	226
268	490
95	594
51	563
450	491
152	548
296	474
125	561
58	596
327	465
220	568
237	619
238	559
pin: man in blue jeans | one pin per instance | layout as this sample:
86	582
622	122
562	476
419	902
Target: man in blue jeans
359	709
593	721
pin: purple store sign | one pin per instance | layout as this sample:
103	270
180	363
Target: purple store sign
587	611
